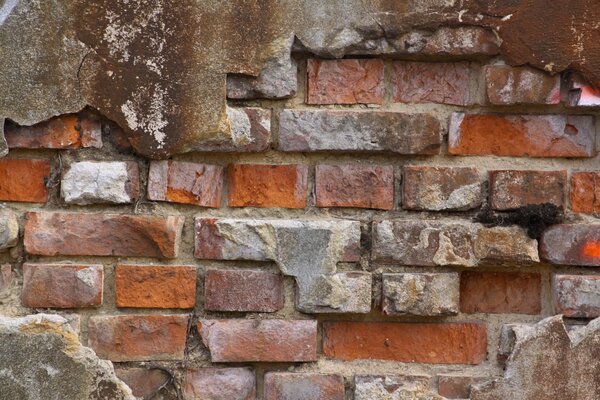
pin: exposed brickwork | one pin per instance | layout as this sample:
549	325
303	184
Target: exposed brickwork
514	189
24	180
292	386
585	192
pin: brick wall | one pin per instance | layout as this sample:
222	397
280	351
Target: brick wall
382	223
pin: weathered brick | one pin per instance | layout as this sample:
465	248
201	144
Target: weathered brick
506	85
392	387
257	185
219	384
138	337
513	189
348	81
576	296
185	182
24	180
443	343
76	234
522	135
89	182
242	290
506	243
344	130
144	382
344	186
421	293
581	248
6	277
64	132
424	82
246	340
300	386
62	285
9	230
585	192
500	292
155	286
441	188
453	386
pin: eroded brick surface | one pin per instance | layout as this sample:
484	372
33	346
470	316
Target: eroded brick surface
514	189
584	192
421	293
506	85
582	248
297	386
219	384
576	296
383	387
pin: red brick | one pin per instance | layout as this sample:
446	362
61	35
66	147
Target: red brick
144	382
585	192
257	185
576	296
344	186
155	286
514	189
219	384
62	285
500	292
440	188
138	337
507	85
522	135
582	246
420	82
24	180
246	340
50	234
242	290
186	182
457	386
292	386
64	132
345	81
443	343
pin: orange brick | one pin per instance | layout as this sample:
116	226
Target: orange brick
151	286
585	192
24	180
256	185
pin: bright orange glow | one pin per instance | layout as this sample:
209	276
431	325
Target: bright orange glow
592	249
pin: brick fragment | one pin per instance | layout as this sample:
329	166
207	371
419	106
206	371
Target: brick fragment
443	343
138	337
355	186
576	296
453	386
506	85
243	290
88	182
219	384
441	188
299	386
155	286
513	189
522	135
500	292
585	192
185	182
144	382
342	130
62	285
424	82
392	387
244	340
347	81
24	180
77	234
420	293
257	185
581	248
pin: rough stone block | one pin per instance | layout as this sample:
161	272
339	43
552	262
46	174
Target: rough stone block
512	189
441	188
582	248
299	386
348	81
88	182
245	340
24	180
219	384
576	296
62	285
9	230
360	186
342	130
585	192
392	387
242	290
155	286
506	85
424	82
421	293
185	182
522	135
75	234
442	343
138	337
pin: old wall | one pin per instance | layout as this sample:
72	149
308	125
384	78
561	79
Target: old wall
248	215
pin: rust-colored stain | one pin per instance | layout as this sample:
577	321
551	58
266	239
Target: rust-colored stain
591	249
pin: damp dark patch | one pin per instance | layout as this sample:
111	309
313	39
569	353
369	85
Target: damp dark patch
534	218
